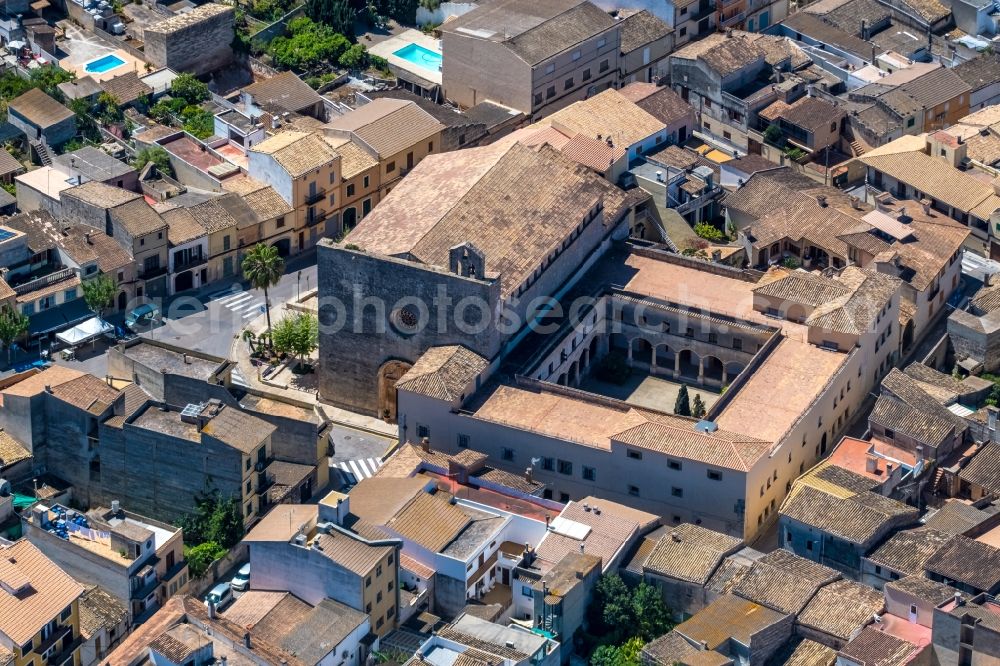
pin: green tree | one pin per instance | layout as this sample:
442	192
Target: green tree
682	407
225	524
198	122
109	109
297	334
627	654
652	617
263	268
613	606
189	88
339	15
773	135
697	407
99	293
13	325
200	557
48	79
155	154
354	58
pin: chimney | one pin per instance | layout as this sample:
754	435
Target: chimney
582	547
674	536
425	444
716	255
187	360
87	237
527	475
888	469
48	388
856	203
959	601
246	640
926	205
992	414
211	610
871	464
882	201
821	200
729	33
659	177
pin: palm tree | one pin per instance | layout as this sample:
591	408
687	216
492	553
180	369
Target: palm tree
263	268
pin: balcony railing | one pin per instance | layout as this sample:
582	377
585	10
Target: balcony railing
149	274
318	195
190	263
44	281
733	20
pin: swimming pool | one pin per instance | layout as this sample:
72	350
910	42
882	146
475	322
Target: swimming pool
420	56
104	64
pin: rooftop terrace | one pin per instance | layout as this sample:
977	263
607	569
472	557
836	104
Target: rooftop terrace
175	362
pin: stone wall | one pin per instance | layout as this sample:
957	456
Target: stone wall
975	337
198	42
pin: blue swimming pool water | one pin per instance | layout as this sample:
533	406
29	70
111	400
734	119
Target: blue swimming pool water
420	56
102	65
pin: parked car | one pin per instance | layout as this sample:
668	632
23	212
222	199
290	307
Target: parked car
221	595
142	315
241	581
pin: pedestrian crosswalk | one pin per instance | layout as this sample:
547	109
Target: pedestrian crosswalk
362	468
243	303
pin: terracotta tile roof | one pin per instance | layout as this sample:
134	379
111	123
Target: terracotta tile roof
138	218
672	648
105	250
297	152
182	227
135	398
979	72
11	450
100	194
731	572
282	522
936	87
661	102
53	288
228	211
187	19
905	160
858	519
690	553
238	429
783	581
907	552
414	567
36	382
800	287
267	204
126	88
967	561
724	55
283	92
956	517
100	610
904	388
811	113
922	588
608	115
378	499
813	26
841	608
641	29
450	633
389	125
559	33
467	196
928	428
807	653
253	606
591	153
354	160
729	617
39	109
984	469
443	373
610	532
34	591
872	647
782	189
430	521
353	554
87	393
9	163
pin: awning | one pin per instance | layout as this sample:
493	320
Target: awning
88	330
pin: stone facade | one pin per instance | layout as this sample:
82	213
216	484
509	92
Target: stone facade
198	42
976	338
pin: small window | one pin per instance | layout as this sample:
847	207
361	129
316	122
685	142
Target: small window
430	146
549	464
727	135
368	581
707	102
878	569
280	222
159	236
378	625
589	473
378	570
423	431
333	177
526	591
633	491
809	545
350	190
677	492
391	612
674	465
586	74
463	441
684	31
378	598
601	43
910	122
368	608
249	487
714	475
564	497
633	454
507	454
890	434
366	182
576	55
65	614
565	467
538	100
551	67
550	93
689	333
738	344
604	66
568	83
390	167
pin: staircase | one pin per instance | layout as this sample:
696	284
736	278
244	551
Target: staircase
857	148
42	150
936	483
